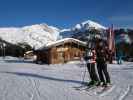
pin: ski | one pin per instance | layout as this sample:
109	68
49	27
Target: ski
91	88
85	87
81	87
105	90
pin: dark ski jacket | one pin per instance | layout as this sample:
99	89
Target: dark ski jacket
102	55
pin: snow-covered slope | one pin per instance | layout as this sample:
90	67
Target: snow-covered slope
82	27
34	35
27	81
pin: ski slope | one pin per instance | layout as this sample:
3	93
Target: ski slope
23	80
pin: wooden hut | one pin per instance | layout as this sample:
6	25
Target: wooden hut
61	51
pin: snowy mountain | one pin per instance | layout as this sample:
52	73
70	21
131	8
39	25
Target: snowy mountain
41	34
34	35
82	27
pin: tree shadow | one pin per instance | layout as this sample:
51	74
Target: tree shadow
46	77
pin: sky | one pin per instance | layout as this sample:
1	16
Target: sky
66	13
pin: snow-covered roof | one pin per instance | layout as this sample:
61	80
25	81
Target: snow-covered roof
56	43
28	52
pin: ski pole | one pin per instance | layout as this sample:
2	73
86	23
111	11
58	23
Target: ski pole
84	74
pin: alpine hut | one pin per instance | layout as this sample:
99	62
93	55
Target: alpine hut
61	51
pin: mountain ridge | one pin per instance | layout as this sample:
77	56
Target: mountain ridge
39	35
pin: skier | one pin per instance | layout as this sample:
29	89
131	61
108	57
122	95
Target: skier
90	57
101	60
119	57
110	57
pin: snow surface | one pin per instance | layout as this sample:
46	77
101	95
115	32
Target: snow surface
23	80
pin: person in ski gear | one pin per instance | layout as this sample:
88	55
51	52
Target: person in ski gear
102	56
110	57
119	57
90	58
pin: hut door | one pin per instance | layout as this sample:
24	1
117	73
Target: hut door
61	57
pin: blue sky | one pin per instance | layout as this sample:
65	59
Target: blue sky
66	13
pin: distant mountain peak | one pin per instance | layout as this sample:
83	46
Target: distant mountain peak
81	28
90	24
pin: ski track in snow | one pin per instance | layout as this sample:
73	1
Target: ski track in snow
27	81
126	93
35	85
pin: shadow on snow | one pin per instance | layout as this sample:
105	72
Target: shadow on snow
46	77
17	61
